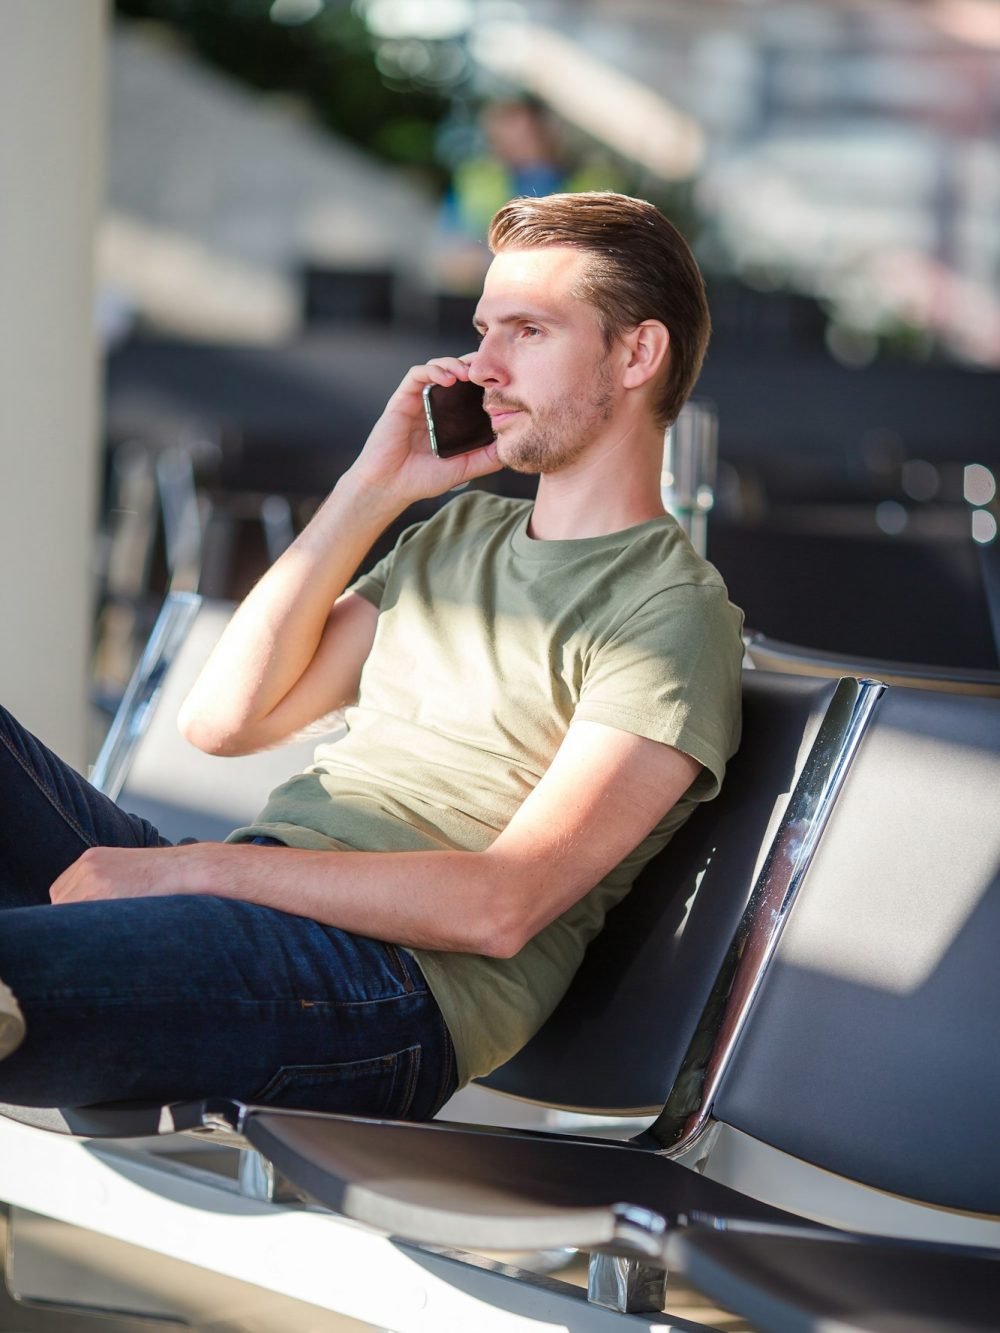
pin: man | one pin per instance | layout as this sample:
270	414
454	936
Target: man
538	695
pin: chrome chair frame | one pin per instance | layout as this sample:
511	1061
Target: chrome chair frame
110	769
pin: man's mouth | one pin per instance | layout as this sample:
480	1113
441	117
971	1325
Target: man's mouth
501	412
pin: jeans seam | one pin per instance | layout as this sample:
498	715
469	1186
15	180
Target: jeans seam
32	776
398	965
449	1068
413	1076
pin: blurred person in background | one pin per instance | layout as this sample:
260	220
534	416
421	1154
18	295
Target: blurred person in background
521	153
522	157
537	694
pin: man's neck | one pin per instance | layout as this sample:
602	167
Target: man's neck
605	491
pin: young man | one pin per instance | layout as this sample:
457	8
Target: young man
538	695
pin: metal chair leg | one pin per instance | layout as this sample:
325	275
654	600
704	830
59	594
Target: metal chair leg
627	1286
259	1180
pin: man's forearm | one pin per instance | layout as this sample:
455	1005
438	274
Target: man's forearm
452	901
430	900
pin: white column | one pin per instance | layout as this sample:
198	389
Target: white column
52	134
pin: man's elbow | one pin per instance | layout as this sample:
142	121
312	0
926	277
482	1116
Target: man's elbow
495	945
504	927
501	944
515	897
205	733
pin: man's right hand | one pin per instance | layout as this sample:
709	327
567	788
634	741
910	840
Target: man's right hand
397	461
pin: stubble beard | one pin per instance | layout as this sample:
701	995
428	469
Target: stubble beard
558	434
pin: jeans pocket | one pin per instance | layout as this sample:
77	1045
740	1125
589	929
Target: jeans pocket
382	1086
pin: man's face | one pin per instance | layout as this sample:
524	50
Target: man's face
542	361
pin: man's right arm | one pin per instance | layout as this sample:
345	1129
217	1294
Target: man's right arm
294	650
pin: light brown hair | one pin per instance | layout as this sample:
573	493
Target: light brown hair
641	267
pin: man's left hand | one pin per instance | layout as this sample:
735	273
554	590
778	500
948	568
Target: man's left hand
128	872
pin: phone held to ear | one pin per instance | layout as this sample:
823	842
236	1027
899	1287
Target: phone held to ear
456	419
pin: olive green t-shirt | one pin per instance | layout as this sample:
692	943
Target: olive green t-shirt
488	645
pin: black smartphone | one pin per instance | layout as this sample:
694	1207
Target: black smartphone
455	418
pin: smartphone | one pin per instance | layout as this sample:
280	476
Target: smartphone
455	418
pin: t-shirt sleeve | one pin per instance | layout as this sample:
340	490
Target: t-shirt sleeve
671	672
371	585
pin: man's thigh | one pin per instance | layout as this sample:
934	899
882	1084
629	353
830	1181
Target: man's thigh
170	998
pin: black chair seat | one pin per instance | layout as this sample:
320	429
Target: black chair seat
456	1185
800	1284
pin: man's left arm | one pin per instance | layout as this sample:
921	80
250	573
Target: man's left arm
604	791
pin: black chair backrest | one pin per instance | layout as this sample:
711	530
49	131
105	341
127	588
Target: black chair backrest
615	1043
906	598
873	1049
772	655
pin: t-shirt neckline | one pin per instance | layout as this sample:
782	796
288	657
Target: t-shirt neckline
543	551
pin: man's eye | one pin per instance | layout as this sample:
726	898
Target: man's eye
529	330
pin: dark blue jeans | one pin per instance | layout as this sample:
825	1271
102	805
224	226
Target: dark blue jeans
165	999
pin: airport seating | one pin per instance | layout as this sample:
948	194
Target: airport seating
865	1046
800	988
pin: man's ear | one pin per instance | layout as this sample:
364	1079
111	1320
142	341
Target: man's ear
648	345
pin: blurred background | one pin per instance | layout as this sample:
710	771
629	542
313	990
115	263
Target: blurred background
279	205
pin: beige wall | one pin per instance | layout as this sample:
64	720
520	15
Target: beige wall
52	130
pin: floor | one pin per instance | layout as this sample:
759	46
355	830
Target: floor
131	1290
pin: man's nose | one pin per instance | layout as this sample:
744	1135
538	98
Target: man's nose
486	368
